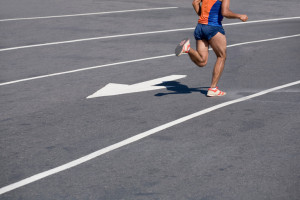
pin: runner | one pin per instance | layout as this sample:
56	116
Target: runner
209	31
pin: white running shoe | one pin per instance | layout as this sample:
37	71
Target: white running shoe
215	92
183	47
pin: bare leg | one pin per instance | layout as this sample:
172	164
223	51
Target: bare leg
200	56
218	44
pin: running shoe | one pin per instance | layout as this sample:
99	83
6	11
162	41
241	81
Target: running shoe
215	92
183	47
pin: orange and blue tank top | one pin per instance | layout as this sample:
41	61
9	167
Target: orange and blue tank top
211	13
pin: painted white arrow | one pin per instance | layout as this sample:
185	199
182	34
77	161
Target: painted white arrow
117	89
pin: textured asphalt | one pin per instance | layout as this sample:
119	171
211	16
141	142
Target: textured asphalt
249	150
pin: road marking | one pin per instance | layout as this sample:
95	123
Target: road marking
86	14
134	34
261	21
266	40
84	69
134	139
117	89
133	61
94	38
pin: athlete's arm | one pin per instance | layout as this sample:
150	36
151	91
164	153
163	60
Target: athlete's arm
197	7
226	12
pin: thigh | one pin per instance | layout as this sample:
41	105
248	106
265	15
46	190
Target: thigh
202	47
219	44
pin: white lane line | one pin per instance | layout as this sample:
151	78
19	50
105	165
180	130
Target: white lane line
265	20
132	61
135	34
134	139
94	38
266	40
86	14
84	69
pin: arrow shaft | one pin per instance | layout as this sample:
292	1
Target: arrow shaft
159	80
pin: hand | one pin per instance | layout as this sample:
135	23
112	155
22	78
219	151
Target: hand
243	18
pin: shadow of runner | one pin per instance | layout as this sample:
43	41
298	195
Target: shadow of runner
178	88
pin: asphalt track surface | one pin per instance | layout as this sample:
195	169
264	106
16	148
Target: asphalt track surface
243	150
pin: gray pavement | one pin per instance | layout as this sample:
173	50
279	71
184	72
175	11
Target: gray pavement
248	150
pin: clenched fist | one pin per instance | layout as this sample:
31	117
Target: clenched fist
243	18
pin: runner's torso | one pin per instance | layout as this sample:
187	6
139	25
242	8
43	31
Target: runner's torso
211	13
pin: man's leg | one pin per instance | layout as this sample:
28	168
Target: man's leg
218	44
200	56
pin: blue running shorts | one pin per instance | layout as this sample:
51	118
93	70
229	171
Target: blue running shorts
206	32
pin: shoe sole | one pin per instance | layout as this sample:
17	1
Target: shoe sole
214	95
178	50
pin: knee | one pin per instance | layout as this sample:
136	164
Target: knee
201	64
222	56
